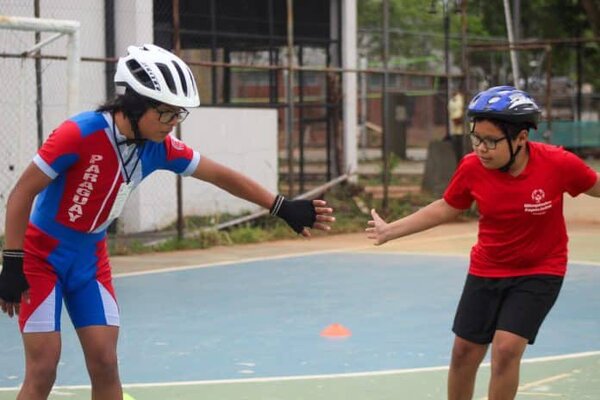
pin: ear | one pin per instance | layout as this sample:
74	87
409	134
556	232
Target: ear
523	136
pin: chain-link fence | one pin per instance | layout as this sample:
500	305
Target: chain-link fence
239	52
35	97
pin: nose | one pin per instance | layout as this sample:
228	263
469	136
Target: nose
481	147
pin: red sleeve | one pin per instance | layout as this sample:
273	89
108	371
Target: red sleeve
180	158
579	177
61	149
177	149
458	192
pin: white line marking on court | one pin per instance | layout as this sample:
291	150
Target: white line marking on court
366	249
229	262
413	253
590	263
543	381
309	377
540	382
362	250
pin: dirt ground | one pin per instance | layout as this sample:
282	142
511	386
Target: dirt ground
582	215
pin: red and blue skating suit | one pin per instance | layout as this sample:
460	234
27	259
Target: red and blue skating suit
65	244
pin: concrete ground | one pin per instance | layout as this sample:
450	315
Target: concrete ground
582	215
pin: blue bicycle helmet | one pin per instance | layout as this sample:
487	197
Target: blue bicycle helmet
504	103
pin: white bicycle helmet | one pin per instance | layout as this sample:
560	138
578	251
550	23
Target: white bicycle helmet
156	73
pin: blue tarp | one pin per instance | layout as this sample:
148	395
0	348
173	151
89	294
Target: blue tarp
570	134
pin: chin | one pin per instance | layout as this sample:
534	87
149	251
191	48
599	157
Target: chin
158	139
488	164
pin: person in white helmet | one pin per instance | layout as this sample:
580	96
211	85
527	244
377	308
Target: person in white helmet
82	176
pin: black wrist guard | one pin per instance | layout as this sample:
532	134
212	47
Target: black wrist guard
297	213
12	278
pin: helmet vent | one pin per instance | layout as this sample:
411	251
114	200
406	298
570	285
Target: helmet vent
181	77
192	80
157	74
168	77
140	74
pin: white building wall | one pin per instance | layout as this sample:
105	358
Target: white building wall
242	139
18	127
133	24
246	139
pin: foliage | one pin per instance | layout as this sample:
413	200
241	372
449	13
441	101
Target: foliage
543	20
416	36
349	218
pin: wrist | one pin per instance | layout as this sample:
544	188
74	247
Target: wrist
13	252
298	214
16	253
276	206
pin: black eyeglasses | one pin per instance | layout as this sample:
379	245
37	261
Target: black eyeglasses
167	116
487	142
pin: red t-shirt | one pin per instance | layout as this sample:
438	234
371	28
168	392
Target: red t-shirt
521	225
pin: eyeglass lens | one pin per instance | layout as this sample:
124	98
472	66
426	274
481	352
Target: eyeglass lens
167	116
489	143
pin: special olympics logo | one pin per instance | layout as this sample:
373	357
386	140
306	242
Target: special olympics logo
538	195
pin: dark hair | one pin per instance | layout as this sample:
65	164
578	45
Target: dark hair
132	105
510	129
129	103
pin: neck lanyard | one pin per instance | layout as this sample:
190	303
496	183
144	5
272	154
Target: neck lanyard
123	162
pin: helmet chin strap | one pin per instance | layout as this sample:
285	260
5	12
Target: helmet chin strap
137	135
513	155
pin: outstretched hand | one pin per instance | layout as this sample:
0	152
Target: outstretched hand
323	218
376	229
303	214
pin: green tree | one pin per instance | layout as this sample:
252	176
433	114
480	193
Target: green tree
416	37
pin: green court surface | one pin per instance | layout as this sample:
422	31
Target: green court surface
571	375
575	378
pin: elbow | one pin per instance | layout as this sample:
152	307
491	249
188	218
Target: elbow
19	198
595	190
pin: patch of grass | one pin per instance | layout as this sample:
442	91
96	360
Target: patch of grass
346	200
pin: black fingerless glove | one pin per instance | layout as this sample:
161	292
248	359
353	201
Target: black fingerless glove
297	213
12	278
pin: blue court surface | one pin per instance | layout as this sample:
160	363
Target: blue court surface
197	331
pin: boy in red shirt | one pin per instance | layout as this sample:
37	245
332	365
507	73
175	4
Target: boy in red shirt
519	261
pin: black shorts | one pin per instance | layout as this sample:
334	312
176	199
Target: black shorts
518	305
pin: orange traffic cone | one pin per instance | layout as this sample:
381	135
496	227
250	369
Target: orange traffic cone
336	331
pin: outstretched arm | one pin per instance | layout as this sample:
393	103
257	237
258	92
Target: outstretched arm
595	190
233	182
427	217
239	185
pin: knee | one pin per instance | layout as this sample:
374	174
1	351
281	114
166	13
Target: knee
41	372
466	353
504	356
103	367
